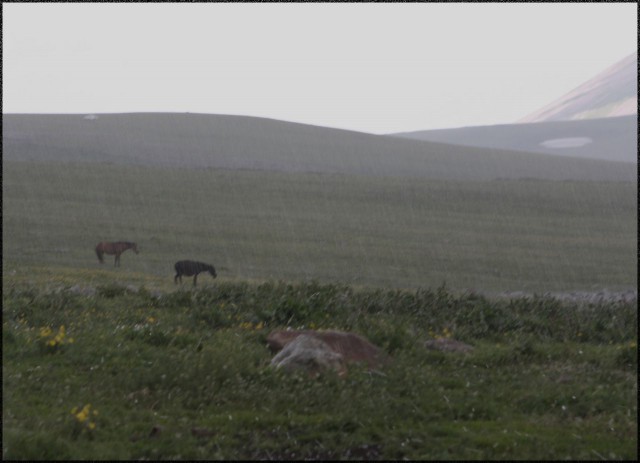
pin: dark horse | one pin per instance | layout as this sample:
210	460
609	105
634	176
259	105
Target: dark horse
116	248
189	267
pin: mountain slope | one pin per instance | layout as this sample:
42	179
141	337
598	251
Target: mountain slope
613	92
613	139
597	120
236	142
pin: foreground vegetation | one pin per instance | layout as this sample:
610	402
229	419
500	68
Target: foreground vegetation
104	369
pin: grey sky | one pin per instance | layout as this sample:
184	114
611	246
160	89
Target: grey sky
377	68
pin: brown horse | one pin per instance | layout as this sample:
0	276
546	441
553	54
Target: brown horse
116	248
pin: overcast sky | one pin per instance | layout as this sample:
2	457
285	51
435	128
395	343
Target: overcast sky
378	68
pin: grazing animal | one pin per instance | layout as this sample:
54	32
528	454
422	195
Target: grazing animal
352	347
190	267
116	248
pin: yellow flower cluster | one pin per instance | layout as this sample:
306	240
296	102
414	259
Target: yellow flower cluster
629	345
446	334
53	341
251	326
82	416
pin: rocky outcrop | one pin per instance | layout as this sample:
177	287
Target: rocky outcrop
310	354
352	347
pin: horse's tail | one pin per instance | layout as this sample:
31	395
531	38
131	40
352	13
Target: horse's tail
99	253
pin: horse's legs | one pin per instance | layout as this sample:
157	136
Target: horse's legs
195	277
99	253
175	279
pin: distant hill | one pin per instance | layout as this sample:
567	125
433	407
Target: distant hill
613	139
612	93
237	142
597	120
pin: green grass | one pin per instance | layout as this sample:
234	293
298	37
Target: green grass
530	235
183	374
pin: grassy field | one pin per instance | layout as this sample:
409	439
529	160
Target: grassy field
531	235
95	367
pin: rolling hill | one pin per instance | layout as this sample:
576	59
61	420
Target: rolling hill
245	194
237	142
612	139
597	120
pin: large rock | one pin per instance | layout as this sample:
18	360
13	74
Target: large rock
309	354
350	346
